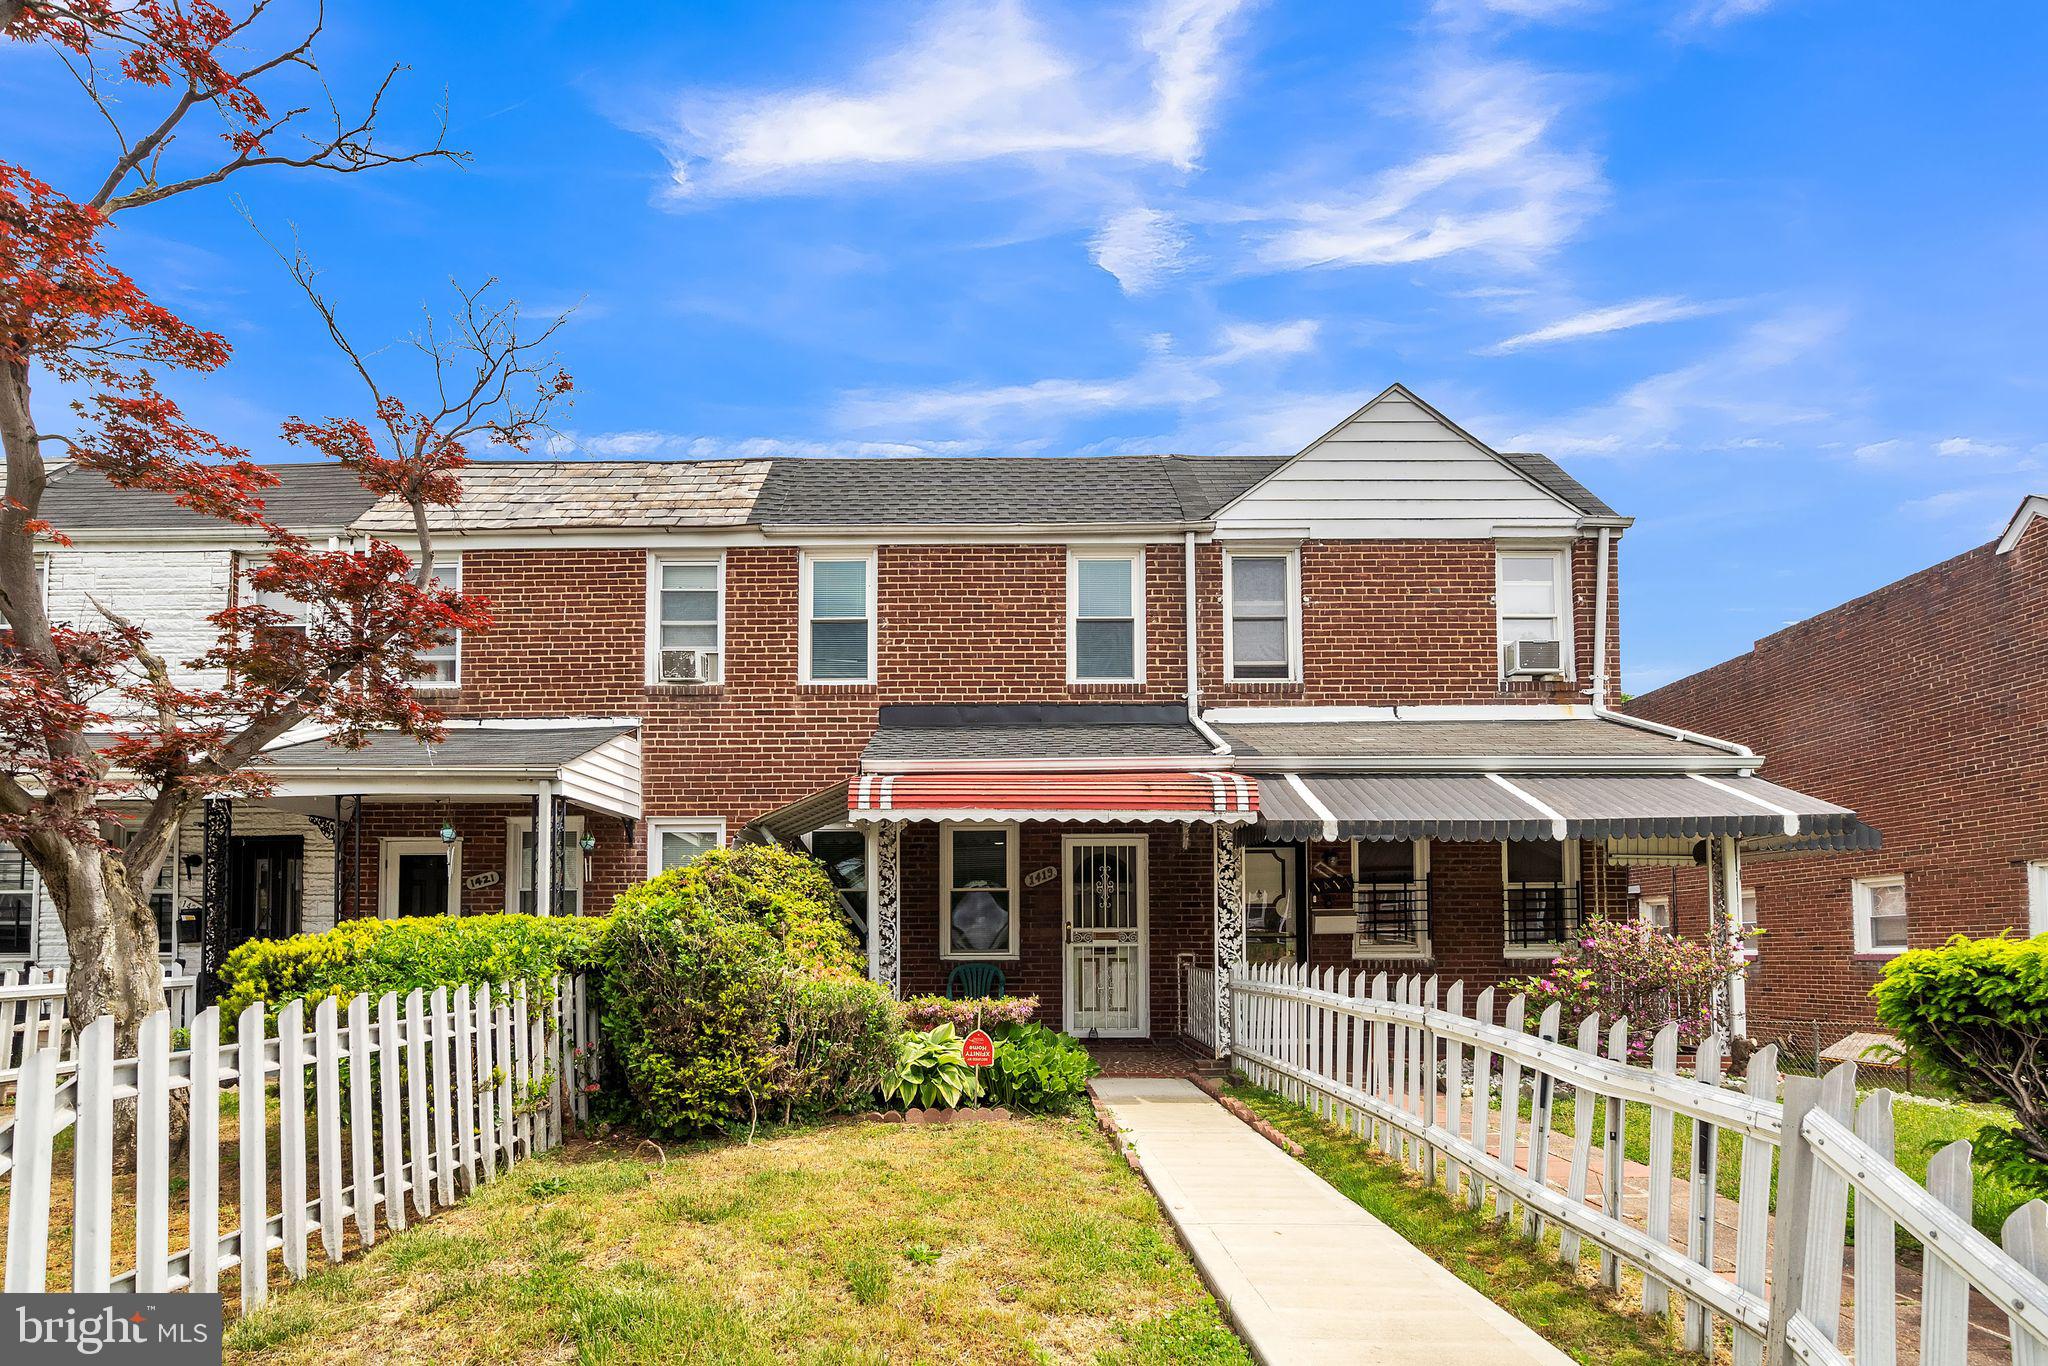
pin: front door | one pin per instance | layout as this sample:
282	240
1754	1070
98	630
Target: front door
1106	980
265	876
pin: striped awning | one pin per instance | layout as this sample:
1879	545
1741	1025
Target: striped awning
1145	795
1531	806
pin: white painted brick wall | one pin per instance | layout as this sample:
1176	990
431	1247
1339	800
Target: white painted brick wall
169	593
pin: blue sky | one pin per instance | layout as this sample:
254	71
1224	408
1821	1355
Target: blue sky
1767	274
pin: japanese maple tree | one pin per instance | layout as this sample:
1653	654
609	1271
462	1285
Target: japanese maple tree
105	746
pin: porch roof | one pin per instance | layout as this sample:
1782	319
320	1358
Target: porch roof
1204	797
1074	735
1430	744
594	762
1545	805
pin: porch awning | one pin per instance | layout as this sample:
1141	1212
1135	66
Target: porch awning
1541	806
595	763
1209	797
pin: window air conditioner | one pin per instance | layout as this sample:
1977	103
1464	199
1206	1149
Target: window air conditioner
1532	658
683	666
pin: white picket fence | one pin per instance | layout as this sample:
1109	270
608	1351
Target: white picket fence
1376	1056
423	1096
32	1013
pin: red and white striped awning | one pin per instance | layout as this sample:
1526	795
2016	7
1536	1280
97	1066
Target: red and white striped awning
1207	797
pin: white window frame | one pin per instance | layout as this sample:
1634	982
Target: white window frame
1421	949
1746	921
34	891
2037	897
655	564
803	633
1510	949
1292	554
1135	556
516	829
1663	920
249	565
1862	908
681	825
1561	603
390	847
1013	836
442	562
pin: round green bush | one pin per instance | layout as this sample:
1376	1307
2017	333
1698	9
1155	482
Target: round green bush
733	993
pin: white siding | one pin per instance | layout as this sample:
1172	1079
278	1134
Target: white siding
1395	471
169	593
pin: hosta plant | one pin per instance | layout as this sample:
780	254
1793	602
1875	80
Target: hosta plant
931	1071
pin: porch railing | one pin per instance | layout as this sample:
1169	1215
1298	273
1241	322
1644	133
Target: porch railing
1198	1005
1471	1104
1543	913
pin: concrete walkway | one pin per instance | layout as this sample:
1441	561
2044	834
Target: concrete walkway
1305	1274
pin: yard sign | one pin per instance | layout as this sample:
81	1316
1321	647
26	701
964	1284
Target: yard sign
978	1050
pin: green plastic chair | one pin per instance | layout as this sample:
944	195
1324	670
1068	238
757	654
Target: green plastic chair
975	981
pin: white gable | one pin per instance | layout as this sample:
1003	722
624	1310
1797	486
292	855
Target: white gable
1394	469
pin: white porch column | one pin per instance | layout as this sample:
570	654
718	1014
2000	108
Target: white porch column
885	905
545	843
1724	922
1229	886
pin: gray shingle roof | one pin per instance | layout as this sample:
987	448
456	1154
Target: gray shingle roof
1454	739
523	748
1051	731
1552	476
307	497
983	490
516	494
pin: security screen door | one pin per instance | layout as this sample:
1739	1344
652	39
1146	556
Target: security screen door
1106	935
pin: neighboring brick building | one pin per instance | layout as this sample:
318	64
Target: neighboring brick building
967	684
1924	705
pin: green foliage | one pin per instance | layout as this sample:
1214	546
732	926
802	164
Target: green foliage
1972	1015
380	956
983	1012
1039	1070
929	1070
732	992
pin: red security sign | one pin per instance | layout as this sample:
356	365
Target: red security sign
978	1050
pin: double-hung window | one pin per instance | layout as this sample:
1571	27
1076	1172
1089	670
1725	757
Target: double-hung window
1106	616
673	843
293	615
2037	897
17	903
1655	911
1531	596
978	880
838	638
1880	909
444	661
1540	893
520	876
1260	622
686	605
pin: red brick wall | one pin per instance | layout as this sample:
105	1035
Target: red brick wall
1924	707
1181	916
614	865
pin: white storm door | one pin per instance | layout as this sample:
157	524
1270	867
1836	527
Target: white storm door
1106	916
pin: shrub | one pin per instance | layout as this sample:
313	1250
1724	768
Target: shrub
930	1070
1637	970
990	1013
380	956
1972	1014
1038	1069
732	992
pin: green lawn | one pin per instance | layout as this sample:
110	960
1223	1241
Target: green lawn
1022	1242
1527	1279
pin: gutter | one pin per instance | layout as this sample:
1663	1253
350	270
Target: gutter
1217	744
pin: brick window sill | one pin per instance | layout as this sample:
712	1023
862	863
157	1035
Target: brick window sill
1108	689
838	689
685	690
1250	689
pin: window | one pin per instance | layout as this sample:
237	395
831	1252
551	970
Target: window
1655	911
1261	627
1540	893
294	613
838	637
1390	888
845	856
1106	620
2037	897
686	621
1531	598
1880	906
671	844
1749	938
1272	904
519	876
444	661
978	873
17	903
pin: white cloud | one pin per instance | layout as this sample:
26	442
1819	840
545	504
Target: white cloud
1140	247
1164	380
1496	187
974	83
1600	321
1717	13
1878	452
1966	448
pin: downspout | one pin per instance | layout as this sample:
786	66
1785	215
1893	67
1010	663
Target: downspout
1217	744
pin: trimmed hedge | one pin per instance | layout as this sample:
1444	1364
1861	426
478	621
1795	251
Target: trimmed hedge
921	1013
380	956
1973	1014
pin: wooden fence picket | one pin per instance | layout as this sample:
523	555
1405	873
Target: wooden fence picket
1877	1308
487	1092
1753	1203
462	1025
1482	1100
1585	1106
1827	1214
252	1239
1700	1196
390	1109
1663	1123
2025	1239
1510	1103
1613	1154
1944	1292
362	1071
442	1165
416	1101
327	1108
1454	1088
202	1151
152	1155
1541	1084
291	1133
28	1209
92	1199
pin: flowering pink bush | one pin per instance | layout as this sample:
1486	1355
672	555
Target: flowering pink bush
923	1013
1639	971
